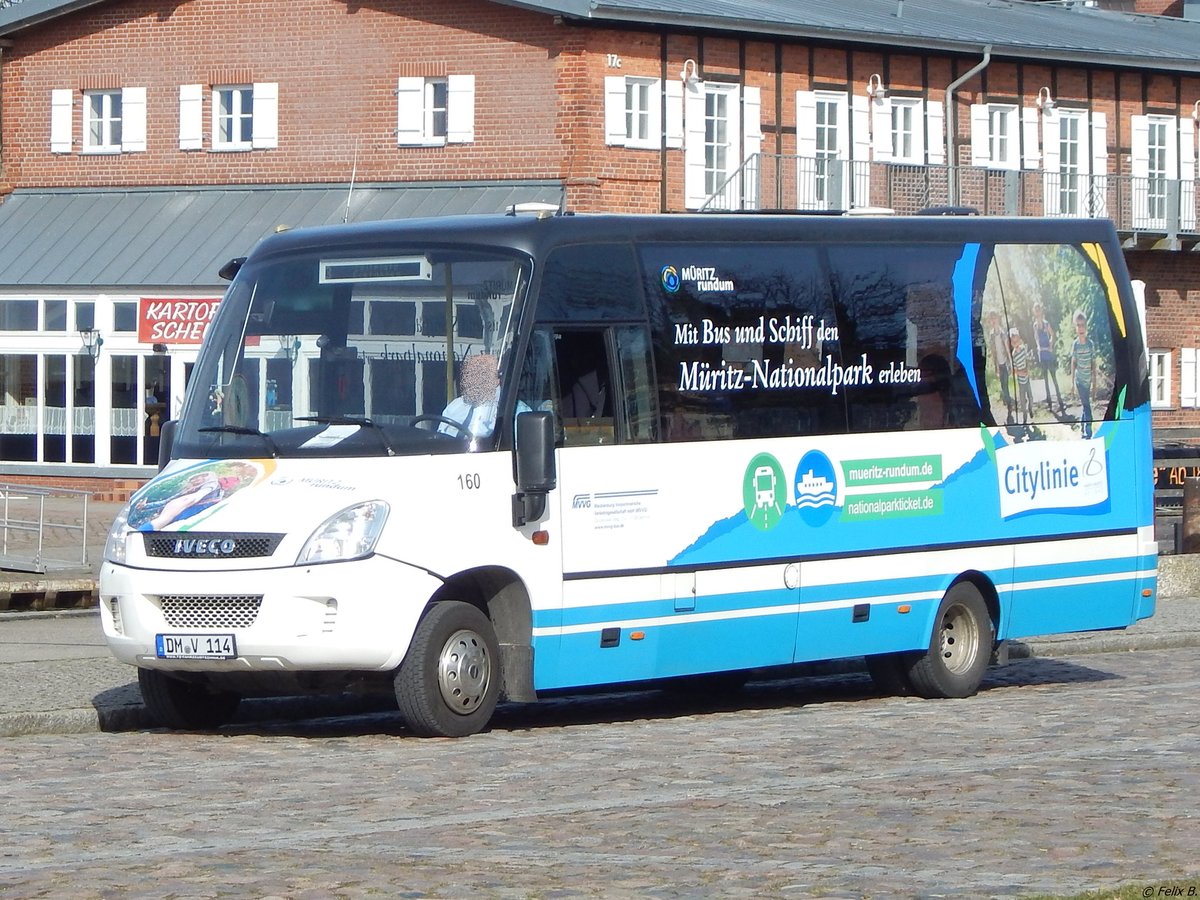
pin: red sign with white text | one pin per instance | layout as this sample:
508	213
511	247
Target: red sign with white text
174	321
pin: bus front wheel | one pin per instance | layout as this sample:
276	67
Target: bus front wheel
449	681
960	648
185	705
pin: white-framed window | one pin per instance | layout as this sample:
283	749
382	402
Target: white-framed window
907	130
233	117
1163	166
996	135
1002	136
721	155
114	121
243	117
633	112
833	139
434	111
102	121
723	139
641	96
1160	379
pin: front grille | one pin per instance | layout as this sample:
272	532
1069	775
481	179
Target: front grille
210	545
210	610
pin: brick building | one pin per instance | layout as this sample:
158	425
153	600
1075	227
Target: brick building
145	142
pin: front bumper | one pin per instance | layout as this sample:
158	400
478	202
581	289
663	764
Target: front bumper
355	615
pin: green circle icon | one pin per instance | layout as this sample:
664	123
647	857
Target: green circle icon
764	491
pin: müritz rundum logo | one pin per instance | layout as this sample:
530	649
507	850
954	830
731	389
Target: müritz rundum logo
670	279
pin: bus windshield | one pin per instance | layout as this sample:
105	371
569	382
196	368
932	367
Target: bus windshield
355	352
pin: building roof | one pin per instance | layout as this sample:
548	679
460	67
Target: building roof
173	236
1019	29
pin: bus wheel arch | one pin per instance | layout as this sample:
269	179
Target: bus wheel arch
961	642
502	596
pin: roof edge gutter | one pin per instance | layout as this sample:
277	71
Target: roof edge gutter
952	121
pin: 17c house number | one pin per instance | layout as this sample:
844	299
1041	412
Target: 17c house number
614	61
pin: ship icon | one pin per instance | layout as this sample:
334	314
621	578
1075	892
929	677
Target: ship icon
814	490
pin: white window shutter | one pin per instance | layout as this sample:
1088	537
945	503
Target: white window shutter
191	117
881	128
935	122
133	120
460	111
1030	157
62	117
806	124
1187	377
1187	173
266	116
674	113
1051	141
860	152
614	110
981	151
1139	147
752	136
656	114
410	111
693	152
1098	194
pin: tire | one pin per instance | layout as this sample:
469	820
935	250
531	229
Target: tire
185	705
449	681
959	649
889	671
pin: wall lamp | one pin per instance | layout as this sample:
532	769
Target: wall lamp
1044	101
1196	111
689	76
92	342
290	345
875	88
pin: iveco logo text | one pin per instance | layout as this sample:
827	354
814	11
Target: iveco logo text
200	547
581	501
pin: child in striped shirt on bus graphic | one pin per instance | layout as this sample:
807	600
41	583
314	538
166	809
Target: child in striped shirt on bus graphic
1021	361
1083	370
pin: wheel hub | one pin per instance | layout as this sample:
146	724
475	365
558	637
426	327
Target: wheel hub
464	671
959	639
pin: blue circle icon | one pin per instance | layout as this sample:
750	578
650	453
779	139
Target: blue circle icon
816	488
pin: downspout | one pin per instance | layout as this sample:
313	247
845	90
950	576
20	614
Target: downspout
3	44
952	124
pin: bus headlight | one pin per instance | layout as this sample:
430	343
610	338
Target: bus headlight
114	545
349	534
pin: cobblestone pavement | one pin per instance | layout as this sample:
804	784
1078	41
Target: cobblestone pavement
1060	776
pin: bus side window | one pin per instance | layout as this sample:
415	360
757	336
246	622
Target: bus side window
585	387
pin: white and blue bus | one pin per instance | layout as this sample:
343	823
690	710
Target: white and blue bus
484	458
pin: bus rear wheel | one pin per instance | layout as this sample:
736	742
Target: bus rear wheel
185	705
449	682
959	649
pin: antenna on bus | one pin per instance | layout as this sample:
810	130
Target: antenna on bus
353	175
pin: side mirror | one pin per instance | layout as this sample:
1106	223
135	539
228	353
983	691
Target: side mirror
534	465
166	442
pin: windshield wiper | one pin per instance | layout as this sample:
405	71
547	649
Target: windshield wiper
361	421
242	429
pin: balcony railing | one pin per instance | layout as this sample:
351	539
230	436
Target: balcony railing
1156	206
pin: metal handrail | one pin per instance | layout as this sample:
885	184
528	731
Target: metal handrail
42	528
767	181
